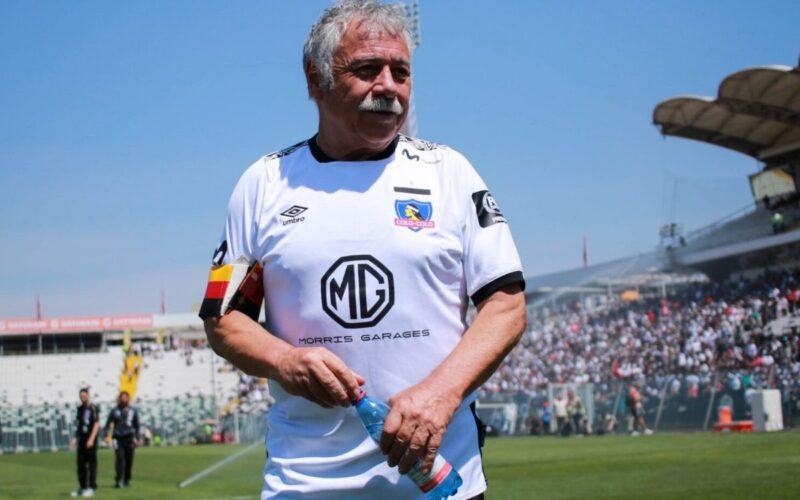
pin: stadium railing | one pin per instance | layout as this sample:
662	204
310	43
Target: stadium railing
675	402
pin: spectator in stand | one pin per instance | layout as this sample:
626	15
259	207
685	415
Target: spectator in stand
547	417
577	413
778	224
534	424
560	407
609	423
637	410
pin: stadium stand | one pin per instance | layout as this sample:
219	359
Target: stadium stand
57	378
171	374
177	386
702	340
756	112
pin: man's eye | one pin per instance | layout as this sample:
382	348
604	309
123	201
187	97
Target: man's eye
366	70
401	73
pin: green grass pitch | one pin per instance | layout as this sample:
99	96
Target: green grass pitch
684	466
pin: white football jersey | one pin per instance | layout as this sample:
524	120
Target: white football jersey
376	261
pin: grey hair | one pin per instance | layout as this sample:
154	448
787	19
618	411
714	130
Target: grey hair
326	33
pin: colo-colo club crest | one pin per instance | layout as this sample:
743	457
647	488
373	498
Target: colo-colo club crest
413	214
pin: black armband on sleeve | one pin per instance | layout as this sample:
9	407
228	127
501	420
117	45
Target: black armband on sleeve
488	289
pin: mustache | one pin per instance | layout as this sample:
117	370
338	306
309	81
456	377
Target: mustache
381	104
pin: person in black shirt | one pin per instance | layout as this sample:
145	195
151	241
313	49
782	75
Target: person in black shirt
87	424
125	421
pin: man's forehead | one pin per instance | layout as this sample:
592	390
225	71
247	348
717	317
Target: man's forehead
371	40
363	29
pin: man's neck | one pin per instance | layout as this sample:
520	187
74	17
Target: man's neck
342	151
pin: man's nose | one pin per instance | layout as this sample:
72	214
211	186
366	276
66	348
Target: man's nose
385	83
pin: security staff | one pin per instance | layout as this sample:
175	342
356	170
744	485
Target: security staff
87	424
125	421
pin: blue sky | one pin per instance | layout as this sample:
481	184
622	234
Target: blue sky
124	126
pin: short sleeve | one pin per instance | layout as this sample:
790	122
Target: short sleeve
234	281
491	260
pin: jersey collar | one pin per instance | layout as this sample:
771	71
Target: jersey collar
321	157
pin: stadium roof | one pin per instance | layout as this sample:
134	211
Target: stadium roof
629	271
756	112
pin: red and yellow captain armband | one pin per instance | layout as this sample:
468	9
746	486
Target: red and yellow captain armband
234	287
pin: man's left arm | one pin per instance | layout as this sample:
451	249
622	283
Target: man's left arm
419	415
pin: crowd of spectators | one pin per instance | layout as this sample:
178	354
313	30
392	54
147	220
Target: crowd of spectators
697	335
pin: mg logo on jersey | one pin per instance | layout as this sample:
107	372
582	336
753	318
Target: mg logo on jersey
357	291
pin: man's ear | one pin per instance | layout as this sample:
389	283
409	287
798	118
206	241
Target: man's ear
312	81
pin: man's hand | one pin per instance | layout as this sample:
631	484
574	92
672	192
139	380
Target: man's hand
314	373
73	443
414	428
318	375
90	444
420	415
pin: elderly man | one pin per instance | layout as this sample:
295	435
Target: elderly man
359	290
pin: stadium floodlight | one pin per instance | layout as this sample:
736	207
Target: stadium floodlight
412	13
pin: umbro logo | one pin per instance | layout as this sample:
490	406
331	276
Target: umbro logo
293	214
293	211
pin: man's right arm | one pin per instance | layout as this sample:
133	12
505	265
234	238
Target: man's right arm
314	373
231	324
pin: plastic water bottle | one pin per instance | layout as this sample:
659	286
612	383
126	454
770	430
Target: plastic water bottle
442	481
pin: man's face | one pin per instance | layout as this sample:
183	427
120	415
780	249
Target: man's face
369	63
84	397
123	399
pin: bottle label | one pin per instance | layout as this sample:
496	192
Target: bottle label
426	482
